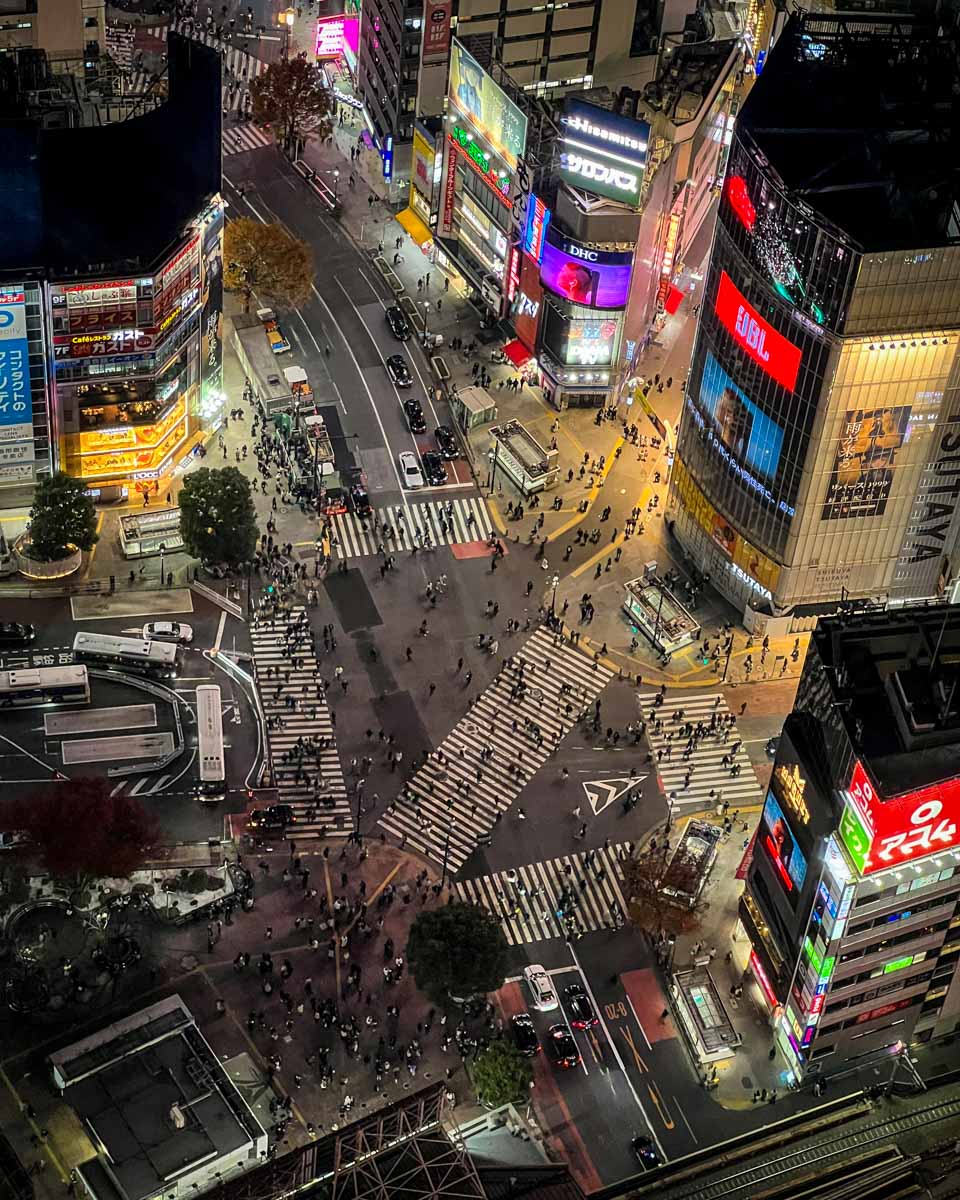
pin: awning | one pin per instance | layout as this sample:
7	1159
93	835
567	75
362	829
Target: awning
415	227
674	298
517	352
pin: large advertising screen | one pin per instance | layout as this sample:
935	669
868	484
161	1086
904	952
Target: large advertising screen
777	839
493	114
338	35
603	153
16	402
596	278
865	461
750	436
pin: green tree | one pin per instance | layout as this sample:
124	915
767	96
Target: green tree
291	96
62	516
217	518
267	261
457	950
501	1074
658	888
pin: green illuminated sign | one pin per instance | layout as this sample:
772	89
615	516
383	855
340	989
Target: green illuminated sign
855	836
826	967
499	178
898	964
814	955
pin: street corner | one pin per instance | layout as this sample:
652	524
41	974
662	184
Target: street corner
649	1004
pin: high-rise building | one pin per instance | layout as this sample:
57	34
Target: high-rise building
815	457
852	899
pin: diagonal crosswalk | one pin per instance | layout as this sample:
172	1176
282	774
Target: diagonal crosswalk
317	792
714	734
396	527
239	138
484	763
239	66
570	895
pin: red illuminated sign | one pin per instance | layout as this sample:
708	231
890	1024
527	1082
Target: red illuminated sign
769	350
436	30
762	979
906	828
740	202
513	273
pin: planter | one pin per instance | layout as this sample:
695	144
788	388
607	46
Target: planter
31	568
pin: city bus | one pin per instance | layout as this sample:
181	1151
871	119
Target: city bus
212	786
31	687
161	659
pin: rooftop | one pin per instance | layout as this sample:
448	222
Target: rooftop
875	144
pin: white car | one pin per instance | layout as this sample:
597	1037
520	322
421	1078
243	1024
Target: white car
410	472
168	631
540	986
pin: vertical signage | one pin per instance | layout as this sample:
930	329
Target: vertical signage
16	405
449	192
436	30
538	218
770	350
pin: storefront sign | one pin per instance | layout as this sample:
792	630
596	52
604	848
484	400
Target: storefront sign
499	180
122	437
436	30
449	189
513	273
83	294
770	350
602	152
337	35
16	403
535	228
527	303
121	341
791	788
940	498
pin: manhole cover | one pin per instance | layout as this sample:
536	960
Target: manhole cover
471	727
535	694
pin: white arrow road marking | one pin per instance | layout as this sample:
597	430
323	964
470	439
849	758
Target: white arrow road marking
602	792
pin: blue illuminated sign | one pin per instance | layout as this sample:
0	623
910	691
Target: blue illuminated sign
16	405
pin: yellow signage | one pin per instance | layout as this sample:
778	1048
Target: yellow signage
127	461
122	437
790	787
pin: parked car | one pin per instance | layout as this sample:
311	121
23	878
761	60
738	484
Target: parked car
447	442
562	1048
410	473
434	469
168	631
525	1034
540	986
415	417
399	325
273	819
398	371
579	1009
645	1151
14	633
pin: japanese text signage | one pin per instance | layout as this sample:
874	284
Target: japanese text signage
882	833
538	218
770	350
436	30
603	153
16	405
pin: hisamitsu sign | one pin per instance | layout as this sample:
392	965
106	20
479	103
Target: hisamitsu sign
770	350
602	152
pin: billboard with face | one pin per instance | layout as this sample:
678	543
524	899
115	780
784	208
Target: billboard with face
750	437
777	839
865	461
487	106
596	278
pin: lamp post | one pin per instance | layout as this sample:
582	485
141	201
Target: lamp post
286	20
163	550
426	313
336	185
553	599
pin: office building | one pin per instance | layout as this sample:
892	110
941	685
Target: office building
815	452
851	899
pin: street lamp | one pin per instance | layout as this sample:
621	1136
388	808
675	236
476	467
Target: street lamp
163	549
336	185
553	599
426	313
286	19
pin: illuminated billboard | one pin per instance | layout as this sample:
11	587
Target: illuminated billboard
535	228
603	153
436	31
865	462
16	402
752	439
880	834
770	350
777	839
337	36
527	302
582	275
486	105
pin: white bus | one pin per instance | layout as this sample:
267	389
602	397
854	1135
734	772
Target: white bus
131	654
31	687
213	780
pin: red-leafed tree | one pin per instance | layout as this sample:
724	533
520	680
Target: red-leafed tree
82	832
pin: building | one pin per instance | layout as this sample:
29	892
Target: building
113	307
162	1116
388	68
70	33
852	899
815	452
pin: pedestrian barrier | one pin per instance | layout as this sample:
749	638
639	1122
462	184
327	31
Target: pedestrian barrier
318	186
228	606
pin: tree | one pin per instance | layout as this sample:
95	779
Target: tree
646	880
457	950
62	516
291	96
82	832
501	1074
218	522
267	261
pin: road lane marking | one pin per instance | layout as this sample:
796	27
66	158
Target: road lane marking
216	644
639	1026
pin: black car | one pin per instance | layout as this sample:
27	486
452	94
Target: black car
579	1008
645	1151
446	442
434	471
397	369
360	501
12	633
562	1048
772	746
415	418
525	1034
399	326
274	819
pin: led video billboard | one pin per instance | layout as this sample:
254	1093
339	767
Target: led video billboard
750	436
582	275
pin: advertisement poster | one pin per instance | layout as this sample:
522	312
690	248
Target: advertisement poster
866	458
436	30
338	35
16	403
777	839
750	436
590	343
423	156
211	328
474	94
584	276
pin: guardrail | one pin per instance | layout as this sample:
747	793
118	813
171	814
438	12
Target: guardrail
25	590
320	188
228	606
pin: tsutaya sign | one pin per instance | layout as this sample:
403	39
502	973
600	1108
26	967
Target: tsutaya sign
602	152
769	350
880	834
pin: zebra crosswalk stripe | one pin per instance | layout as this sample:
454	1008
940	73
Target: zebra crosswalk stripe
464	520
310	720
484	763
528	899
239	138
707	772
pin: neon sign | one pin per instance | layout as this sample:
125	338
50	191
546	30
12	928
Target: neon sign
739	200
538	218
465	143
770	350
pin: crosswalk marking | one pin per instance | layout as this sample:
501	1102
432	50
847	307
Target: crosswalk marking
704	763
238	64
465	519
484	763
584	889
238	138
318	805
